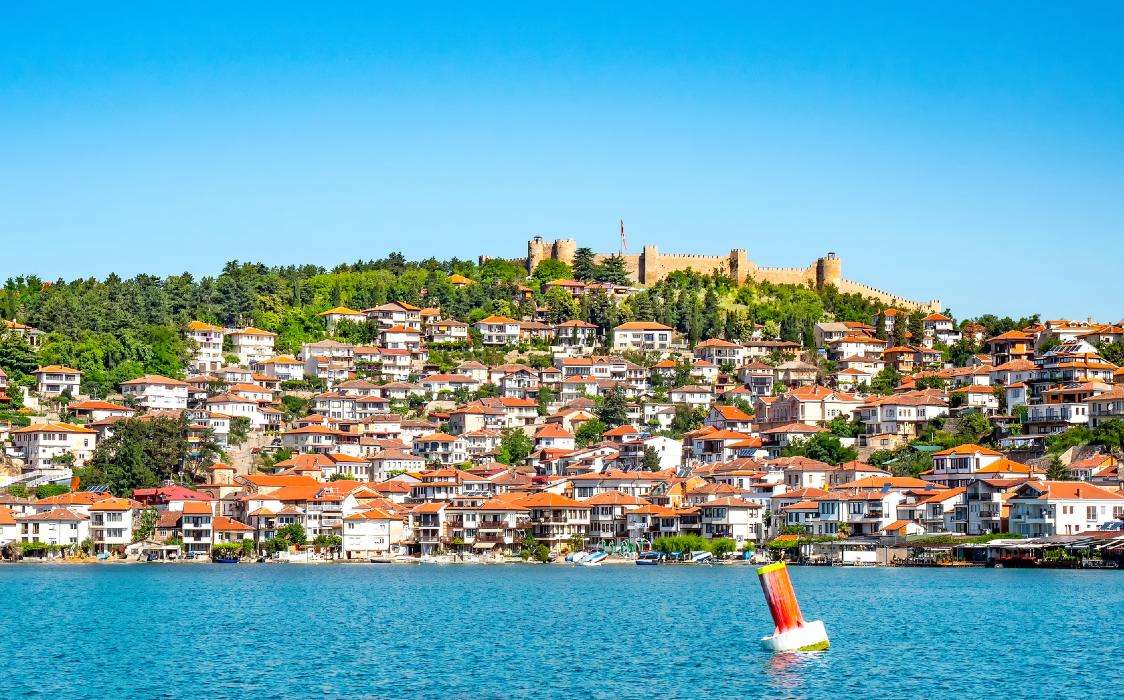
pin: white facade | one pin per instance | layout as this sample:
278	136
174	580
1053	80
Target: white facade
61	526
155	392
39	444
208	346
1041	509
371	533
54	380
642	335
498	330
252	344
111	523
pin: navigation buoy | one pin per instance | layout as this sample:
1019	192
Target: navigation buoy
793	633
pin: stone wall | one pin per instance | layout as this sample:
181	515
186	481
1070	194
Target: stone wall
651	266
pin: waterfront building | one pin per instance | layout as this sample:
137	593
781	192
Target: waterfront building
112	523
1045	508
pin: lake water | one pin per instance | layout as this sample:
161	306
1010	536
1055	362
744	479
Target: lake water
280	631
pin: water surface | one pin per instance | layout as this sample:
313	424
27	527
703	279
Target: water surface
280	631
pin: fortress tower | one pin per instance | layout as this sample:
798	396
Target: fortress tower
829	271
537	251
740	267
564	250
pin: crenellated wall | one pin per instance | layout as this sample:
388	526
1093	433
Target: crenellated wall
848	287
651	266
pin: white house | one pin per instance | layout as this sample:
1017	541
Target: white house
61	526
958	465
333	316
1045	508
692	395
208	346
447	331
720	352
396	313
112	522
978	397
434	384
498	330
553	437
9	527
40	444
54	380
855	344
734	518
252	344
283	367
401	338
668	450
156	392
95	410
642	335
441	448
371	533
900	414
939	328
236	406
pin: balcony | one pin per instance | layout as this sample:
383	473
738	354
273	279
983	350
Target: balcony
495	539
1057	413
1041	518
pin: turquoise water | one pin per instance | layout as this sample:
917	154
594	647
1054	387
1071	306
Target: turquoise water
275	631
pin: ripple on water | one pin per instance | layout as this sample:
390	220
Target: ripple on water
522	631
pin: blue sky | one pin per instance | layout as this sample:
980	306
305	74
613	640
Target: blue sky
963	152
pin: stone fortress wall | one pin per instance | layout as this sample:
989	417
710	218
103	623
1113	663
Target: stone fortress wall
650	266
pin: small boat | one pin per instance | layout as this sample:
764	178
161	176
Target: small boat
594	559
226	560
648	559
701	557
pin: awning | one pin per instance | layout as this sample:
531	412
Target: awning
483	545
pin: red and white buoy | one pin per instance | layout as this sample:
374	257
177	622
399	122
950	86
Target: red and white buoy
793	632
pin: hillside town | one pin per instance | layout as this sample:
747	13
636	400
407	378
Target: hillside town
404	429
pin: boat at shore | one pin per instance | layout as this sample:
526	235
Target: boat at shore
648	559
593	559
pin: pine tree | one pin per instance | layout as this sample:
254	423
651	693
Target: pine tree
613	410
613	270
642	307
584	267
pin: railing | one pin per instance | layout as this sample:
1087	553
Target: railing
497	539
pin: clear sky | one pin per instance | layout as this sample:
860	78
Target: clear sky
971	153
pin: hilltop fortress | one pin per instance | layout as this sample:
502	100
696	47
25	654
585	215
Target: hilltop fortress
650	266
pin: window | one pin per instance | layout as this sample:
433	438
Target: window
1090	512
